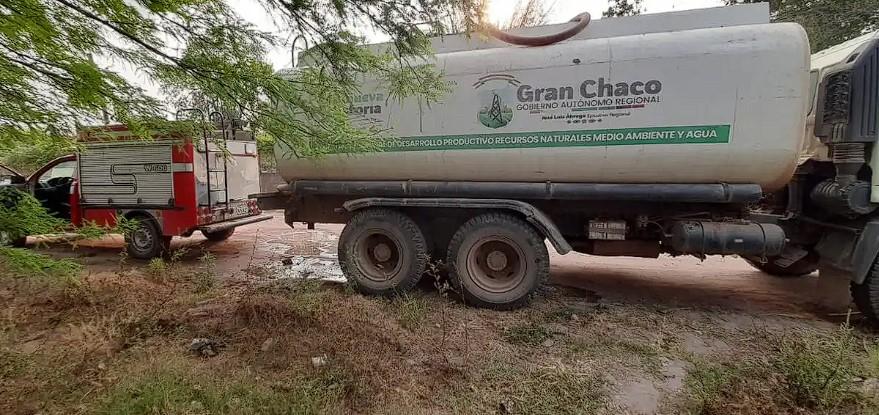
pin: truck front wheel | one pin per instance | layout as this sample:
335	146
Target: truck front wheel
866	294
146	241
497	261
382	252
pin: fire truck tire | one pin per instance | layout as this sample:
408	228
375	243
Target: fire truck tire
497	261
382	252
147	241
218	235
866	295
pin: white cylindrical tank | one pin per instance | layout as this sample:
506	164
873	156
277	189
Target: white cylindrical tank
708	105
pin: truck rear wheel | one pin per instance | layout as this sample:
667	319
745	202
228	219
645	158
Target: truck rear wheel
146	241
497	261
218	235
802	267
382	252
866	294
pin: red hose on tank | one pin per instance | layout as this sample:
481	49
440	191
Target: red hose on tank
581	19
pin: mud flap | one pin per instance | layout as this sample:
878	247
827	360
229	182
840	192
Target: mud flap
789	256
831	292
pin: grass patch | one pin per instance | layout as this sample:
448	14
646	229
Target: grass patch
308	297
411	311
296	302
530	334
203	279
26	264
649	355
819	369
805	372
503	388
12	363
177	391
157	270
562	314
708	383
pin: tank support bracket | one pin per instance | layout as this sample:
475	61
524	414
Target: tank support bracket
541	222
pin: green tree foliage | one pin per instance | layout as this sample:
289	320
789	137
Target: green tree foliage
57	60
529	13
618	8
27	157
22	215
51	80
828	22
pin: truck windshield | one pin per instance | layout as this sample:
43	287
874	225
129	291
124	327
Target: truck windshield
63	169
813	89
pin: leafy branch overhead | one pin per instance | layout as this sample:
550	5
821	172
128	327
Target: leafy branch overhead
828	22
56	66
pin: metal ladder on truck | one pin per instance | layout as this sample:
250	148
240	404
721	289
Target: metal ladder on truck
216	163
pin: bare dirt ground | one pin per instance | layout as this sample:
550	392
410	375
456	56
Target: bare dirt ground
607	336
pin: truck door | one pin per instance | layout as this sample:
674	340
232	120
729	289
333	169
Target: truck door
51	186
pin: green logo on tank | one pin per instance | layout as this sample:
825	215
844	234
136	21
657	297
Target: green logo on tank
498	90
496	115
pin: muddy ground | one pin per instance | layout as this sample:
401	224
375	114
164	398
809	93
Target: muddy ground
608	335
726	283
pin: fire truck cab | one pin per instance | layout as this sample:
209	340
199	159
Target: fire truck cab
171	185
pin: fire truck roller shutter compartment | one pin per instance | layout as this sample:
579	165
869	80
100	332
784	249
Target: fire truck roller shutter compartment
109	176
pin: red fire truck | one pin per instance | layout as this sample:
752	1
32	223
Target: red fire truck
172	185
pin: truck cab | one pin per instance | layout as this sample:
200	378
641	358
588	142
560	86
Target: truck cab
828	209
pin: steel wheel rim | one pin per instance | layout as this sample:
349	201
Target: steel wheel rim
496	264
141	239
379	255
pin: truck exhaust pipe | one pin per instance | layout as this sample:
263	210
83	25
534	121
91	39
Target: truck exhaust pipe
722	238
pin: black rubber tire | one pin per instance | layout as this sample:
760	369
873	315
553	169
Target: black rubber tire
866	295
410	248
801	268
219	235
157	244
512	230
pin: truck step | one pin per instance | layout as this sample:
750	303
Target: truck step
221	226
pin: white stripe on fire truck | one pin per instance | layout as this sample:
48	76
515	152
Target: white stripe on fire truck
181	167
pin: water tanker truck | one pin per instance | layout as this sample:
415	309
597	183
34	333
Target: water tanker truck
677	133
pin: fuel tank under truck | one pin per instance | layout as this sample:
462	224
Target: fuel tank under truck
685	97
